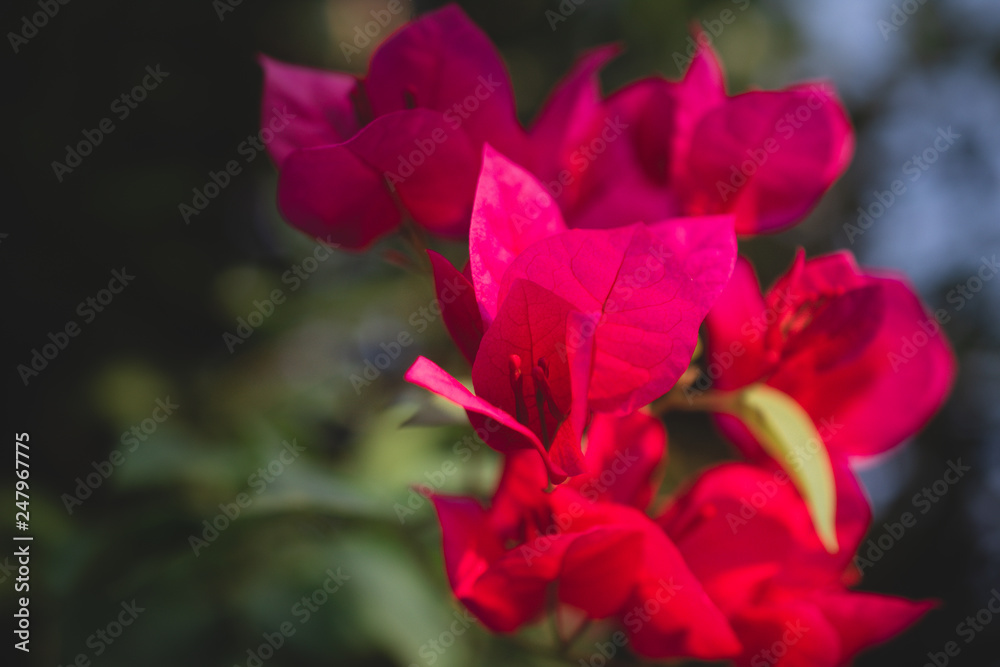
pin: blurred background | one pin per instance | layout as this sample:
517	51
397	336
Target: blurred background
222	481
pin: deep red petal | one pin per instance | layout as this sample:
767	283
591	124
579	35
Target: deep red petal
443	61
786	147
311	107
459	309
623	455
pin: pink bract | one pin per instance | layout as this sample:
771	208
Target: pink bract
834	338
361	155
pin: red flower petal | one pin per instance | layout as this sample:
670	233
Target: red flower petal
318	105
510	436
459	309
341	190
443	61
623	455
785	149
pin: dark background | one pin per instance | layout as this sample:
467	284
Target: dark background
335	505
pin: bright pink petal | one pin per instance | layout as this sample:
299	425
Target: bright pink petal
511	212
579	350
502	589
643	284
702	88
443	61
342	189
737	326
785	149
668	612
617	172
859	351
816	278
865	619
530	330
523	482
430	166
650	124
468	547
743	528
896	381
312	107
509	436
793	634
598	569
567	115
646	110
623	199
683	619
459	310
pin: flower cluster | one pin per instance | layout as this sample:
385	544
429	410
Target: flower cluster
601	239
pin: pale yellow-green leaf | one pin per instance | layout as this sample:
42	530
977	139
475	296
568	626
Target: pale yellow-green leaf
788	434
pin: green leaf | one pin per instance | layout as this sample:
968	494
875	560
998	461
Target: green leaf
788	434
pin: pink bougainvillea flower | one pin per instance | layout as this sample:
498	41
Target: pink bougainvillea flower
660	148
858	351
531	387
357	156
589	542
747	536
571	321
412	129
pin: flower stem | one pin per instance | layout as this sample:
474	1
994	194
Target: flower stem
695	401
